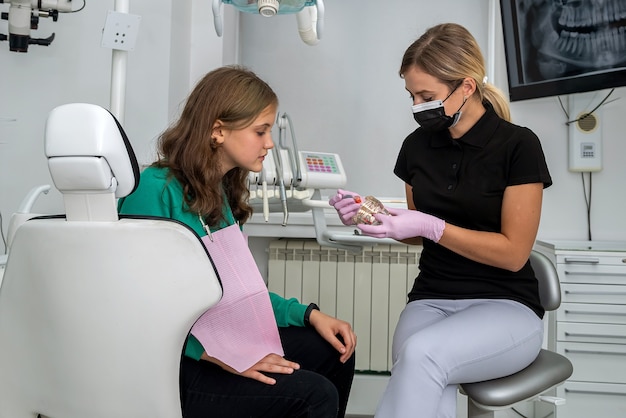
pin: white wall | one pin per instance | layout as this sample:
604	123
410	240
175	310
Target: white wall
344	95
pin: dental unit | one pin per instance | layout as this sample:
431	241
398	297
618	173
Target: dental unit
292	180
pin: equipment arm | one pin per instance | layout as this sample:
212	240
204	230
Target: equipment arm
23	16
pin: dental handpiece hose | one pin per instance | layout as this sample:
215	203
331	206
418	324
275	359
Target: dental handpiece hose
266	204
281	185
295	161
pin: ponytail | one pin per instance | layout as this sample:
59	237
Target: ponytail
498	100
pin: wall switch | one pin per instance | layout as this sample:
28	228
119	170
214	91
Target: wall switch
585	134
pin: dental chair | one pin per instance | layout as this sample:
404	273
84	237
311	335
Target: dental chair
95	308
547	371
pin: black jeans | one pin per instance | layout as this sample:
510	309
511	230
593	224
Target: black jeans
319	389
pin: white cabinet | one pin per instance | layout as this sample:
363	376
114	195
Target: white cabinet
590	326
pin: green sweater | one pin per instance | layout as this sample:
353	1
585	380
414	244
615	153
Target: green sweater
158	195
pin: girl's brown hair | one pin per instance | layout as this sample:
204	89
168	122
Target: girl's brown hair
450	53
235	96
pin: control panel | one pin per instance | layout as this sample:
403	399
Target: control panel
321	170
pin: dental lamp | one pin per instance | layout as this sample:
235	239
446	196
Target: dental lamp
23	16
268	8
309	14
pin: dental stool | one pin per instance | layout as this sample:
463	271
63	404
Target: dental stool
95	308
547	371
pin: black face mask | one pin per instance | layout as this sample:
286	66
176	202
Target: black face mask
432	117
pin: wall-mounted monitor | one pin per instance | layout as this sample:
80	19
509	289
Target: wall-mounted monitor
559	47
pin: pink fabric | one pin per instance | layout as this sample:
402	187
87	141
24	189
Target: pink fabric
241	329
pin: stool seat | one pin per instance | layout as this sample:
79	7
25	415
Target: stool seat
549	369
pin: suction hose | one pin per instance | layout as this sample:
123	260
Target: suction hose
311	23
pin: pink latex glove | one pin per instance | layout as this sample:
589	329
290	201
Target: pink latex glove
405	223
346	204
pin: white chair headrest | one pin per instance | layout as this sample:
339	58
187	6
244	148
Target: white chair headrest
88	151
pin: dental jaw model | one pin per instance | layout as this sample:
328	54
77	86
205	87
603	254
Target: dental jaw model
369	207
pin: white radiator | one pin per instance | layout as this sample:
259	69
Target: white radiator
367	289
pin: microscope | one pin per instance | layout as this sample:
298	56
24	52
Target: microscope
23	16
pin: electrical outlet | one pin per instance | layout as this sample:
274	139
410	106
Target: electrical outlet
120	31
585	134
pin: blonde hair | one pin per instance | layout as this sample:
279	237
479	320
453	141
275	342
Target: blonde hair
450	53
235	96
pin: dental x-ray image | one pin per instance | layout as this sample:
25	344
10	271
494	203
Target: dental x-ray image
564	39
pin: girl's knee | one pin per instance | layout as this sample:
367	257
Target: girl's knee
319	394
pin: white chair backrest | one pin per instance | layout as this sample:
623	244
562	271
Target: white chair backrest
94	313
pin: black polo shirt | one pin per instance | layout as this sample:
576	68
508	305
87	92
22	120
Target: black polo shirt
462	181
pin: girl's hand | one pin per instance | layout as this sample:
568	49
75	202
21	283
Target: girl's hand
272	363
329	327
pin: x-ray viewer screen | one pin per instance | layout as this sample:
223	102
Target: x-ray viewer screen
564	40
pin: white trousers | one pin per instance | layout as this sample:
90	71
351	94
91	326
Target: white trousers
439	344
